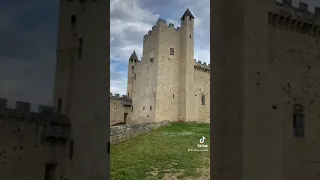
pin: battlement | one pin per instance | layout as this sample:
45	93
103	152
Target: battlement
203	66
24	107
292	24
159	23
302	7
126	101
53	126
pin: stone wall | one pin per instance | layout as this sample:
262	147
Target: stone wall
120	109
30	140
124	132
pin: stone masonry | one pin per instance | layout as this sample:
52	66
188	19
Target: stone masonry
168	83
265	65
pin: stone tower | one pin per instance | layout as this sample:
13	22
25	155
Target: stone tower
82	85
265	118
168	83
187	109
131	72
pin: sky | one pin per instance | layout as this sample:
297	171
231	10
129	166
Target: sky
28	35
130	20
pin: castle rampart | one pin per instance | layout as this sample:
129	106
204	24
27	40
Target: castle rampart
161	23
31	137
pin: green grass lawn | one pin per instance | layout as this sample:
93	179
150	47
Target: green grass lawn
160	152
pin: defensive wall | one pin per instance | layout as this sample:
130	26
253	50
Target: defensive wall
31	140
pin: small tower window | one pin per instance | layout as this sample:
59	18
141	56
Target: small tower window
73	20
135	76
143	107
80	47
131	108
171	51
59	105
298	120
71	150
173	96
190	36
203	99
132	69
150	108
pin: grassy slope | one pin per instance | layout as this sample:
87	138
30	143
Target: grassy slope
164	150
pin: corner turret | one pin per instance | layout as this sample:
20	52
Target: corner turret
133	57
131	72
187	13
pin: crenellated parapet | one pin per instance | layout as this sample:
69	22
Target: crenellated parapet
303	12
160	23
201	66
51	126
126	101
289	23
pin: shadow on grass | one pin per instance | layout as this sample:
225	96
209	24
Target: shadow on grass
161	151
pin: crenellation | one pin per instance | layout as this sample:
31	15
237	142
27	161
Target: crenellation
161	22
303	7
149	32
145	36
178	29
45	109
294	25
154	27
171	25
3	105
317	11
23	106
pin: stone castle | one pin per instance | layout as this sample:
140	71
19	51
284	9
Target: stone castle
70	140
167	83
265	94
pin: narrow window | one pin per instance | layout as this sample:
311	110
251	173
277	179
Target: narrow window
132	109
143	107
135	76
50	171
173	96
171	51
108	147
190	36
132	69
71	150
59	105
203	99
80	47
128	94
298	120
73	20
150	108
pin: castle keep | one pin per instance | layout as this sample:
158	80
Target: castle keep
265	93
167	83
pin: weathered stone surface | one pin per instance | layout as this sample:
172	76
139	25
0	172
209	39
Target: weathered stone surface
124	132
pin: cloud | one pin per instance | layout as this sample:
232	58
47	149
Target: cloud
130	20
